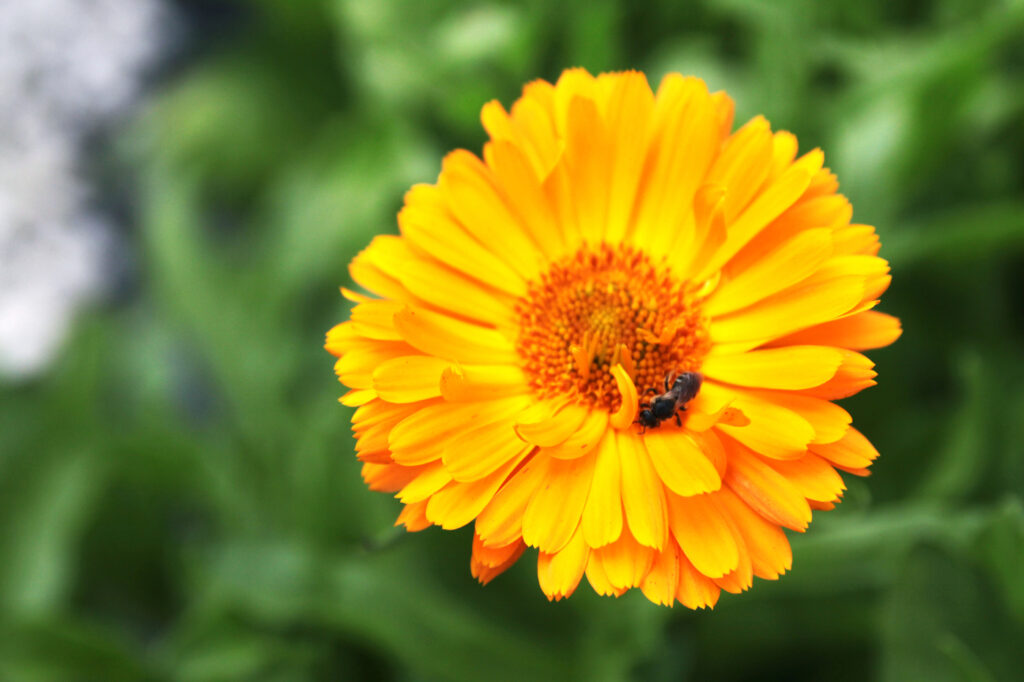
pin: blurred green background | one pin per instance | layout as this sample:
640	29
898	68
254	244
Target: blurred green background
178	494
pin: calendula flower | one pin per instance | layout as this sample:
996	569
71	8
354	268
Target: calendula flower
517	365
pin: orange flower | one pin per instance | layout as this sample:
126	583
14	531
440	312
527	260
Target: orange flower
537	300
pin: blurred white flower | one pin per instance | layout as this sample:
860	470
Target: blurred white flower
67	69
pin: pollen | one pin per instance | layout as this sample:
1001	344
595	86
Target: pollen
605	306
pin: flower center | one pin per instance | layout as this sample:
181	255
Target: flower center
601	307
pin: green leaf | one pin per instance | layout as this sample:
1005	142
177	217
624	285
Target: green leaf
944	621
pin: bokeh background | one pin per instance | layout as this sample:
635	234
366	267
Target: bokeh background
182	185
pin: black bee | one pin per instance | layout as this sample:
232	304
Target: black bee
671	402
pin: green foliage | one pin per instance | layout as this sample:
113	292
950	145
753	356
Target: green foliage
180	500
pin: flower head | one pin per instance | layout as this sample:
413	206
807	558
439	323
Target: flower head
516	367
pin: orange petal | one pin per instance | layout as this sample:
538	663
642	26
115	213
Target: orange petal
662	582
433	477
767	545
625	561
413	517
388	478
854	375
765	490
486	572
490	555
863	331
852	451
560	573
598	578
699	526
696	590
813	477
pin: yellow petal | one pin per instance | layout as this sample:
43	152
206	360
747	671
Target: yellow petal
420	437
801	306
624	417
680	463
829	421
772	430
585	439
356	367
643	495
791	262
373	319
446	337
501	521
465	383
555	429
459	503
554	512
743	164
448	290
439	235
479	206
682	146
602	515
410	378
479	450
790	368
629	110
517	177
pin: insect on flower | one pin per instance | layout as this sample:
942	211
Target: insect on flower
673	401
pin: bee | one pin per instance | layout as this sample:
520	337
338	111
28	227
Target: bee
670	403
